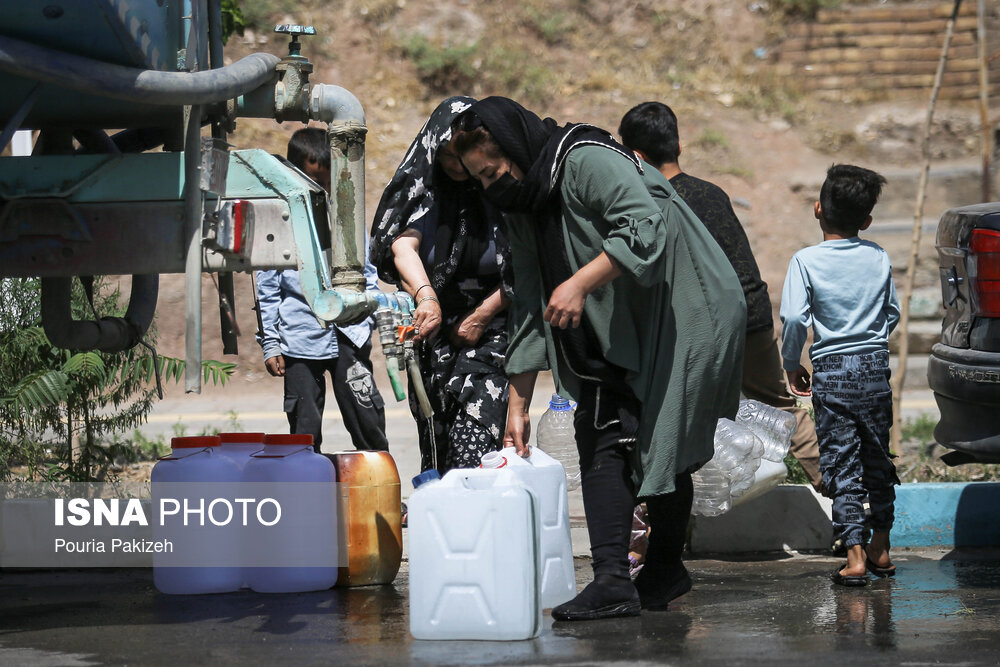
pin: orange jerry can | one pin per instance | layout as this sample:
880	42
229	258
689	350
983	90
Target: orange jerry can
368	522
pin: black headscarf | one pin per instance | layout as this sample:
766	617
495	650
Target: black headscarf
419	188
538	147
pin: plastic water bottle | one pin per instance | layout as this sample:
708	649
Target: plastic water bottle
773	426
740	483
711	491
731	472
557	438
737	449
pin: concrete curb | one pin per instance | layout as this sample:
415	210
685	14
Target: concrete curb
796	518
960	514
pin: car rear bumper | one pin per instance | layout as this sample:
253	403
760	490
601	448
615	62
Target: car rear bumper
966	385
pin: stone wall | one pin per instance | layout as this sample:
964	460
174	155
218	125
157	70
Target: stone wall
885	52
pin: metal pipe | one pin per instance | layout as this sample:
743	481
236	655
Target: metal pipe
14	123
335	106
87	75
109	334
201	20
95	142
193	213
215	34
346	130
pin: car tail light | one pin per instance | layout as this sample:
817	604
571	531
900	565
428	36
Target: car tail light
984	272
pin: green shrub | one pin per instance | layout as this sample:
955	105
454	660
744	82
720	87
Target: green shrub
56	402
712	138
551	27
514	73
443	69
261	13
232	19
796	474
806	8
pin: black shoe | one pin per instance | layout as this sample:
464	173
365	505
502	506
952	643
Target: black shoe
605	597
657	588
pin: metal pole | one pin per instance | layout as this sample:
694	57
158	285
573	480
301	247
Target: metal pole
918	218
984	98
193	211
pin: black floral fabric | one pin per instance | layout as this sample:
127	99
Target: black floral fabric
467	385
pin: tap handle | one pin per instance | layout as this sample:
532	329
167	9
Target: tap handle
294	30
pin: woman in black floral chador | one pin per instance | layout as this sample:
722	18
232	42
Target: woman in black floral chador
434	235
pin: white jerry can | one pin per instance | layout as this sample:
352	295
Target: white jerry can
546	479
473	545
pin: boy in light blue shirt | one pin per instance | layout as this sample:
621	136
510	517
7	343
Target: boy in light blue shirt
302	352
843	289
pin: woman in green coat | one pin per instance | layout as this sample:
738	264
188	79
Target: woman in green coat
623	294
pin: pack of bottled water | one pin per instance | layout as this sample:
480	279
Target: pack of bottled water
760	432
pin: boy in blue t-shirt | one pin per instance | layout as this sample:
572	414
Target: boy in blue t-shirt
843	289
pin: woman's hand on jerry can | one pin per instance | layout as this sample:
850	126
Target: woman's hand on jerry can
518	432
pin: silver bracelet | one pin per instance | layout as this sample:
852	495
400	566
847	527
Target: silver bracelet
428	298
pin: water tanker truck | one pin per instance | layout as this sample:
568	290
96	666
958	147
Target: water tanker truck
131	172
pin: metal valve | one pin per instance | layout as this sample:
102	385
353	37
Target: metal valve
291	93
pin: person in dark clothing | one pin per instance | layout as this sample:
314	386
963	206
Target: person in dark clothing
650	129
627	299
435	237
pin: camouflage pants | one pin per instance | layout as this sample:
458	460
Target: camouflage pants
853	411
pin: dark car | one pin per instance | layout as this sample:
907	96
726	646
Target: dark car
964	368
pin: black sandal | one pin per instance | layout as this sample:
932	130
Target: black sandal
879	571
850	580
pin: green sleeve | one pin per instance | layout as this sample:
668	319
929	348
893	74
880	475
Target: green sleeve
526	348
608	185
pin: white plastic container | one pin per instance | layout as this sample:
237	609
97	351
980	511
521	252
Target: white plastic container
473	547
239	446
546	479
305	531
769	475
557	437
194	470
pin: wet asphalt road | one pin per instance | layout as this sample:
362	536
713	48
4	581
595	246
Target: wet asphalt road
942	608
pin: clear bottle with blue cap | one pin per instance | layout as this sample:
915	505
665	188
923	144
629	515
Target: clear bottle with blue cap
557	438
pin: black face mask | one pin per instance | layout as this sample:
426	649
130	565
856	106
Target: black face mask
508	194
